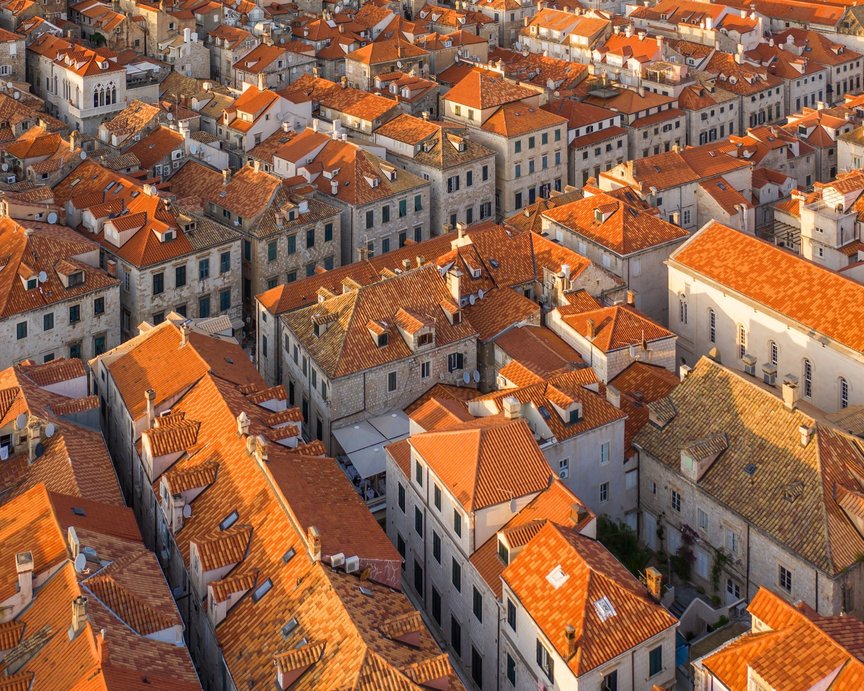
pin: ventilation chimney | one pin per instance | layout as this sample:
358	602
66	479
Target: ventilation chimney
79	616
406	265
806	434
24	566
613	395
150	396
454	281
790	392
631	298
184	333
683	371
226	176
592	330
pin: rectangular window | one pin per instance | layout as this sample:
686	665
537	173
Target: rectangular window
786	579
400	547
224	263
418	521
544	661
476	667
478	605
158	283
456	636
225	300
604	492
452	184
179	276
203	269
457	522
511	614
403	208
455	361
610	681
469	178
418	578
655	661
517	147
703	519
418	473
485	174
99	306
328	232
437	497
74	314
456	574
21	330
425	368
370	219
436	606
604	453
418	202
204	306
401	498
272	248
436	546
48	321
731	541
292	244
391	382
676	501
511	670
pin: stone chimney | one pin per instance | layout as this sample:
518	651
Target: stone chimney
24	567
73	140
631	298
242	424
806	434
613	395
313	540
454	283
790	392
512	407
683	371
654	581
570	637
226	176
406	265
150	396
79	616
344	82
592	330
184	333
425	114
34	436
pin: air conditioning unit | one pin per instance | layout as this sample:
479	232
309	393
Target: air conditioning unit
769	374
749	363
352	564
337	560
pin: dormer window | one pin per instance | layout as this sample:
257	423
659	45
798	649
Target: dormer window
76	278
598	215
382	339
31	283
575	415
424	340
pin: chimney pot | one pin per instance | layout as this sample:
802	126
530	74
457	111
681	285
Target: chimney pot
79	616
313	538
592	329
790	392
806	434
150	396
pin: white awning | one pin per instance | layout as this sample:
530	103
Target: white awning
364	442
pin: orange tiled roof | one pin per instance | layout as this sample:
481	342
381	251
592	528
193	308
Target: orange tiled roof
495	461
592	574
484	90
739	262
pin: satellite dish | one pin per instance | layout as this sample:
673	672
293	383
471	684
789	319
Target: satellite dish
5	167
480	293
170	117
50	429
187	511
472	298
40	449
476	376
21	422
52	217
466	378
80	562
42	277
83	155
17	95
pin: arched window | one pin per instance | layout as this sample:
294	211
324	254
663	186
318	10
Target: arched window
712	326
773	352
808	379
742	341
96	97
844	393
682	308
113	94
